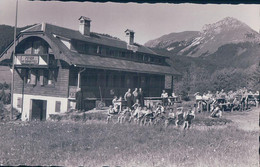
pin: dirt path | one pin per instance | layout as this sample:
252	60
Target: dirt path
247	120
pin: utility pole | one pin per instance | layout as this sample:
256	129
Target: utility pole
12	86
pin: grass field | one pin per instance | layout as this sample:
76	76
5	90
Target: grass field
95	143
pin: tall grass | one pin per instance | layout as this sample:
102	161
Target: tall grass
98	144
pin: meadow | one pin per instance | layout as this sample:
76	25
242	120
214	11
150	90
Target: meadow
95	143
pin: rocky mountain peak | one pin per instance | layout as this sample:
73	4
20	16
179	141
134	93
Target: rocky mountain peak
226	24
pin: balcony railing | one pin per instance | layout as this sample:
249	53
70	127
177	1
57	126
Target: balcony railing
33	60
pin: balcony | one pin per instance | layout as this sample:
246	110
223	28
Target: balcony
34	60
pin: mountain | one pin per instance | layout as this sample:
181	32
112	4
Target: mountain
208	40
223	55
166	40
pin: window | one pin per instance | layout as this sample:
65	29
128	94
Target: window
86	48
116	81
39	47
33	77
122	54
112	53
73	77
128	56
152	59
81	46
50	77
131	55
122	81
135	80
142	84
19	102
109	80
156	60
91	80
28	48
128	81
107	51
146	58
99	49
115	53
40	76
140	57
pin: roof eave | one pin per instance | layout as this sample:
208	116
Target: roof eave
126	70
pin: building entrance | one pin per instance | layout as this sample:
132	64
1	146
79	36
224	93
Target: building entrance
38	110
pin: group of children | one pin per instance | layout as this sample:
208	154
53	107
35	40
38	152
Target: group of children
236	100
152	116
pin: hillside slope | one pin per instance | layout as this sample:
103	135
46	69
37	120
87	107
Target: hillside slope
208	40
223	55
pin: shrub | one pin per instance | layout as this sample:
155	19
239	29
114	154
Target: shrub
6	86
2	95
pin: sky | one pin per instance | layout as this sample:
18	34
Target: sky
149	21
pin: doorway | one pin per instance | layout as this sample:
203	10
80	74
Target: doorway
38	109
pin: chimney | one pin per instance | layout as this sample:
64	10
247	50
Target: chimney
84	25
130	35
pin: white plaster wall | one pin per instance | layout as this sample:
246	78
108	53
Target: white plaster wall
51	101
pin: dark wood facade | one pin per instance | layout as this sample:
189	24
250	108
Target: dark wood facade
109	83
50	60
59	87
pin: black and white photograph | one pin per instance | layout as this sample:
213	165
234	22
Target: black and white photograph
129	84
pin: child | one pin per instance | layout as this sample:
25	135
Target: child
189	116
111	112
140	115
123	114
133	114
179	116
170	117
216	113
137	103
159	108
114	100
159	114
135	95
148	116
164	97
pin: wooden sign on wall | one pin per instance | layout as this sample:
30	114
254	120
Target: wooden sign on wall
29	60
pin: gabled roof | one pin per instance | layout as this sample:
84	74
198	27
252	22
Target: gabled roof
93	38
94	61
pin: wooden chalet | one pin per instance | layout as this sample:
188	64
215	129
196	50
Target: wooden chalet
52	61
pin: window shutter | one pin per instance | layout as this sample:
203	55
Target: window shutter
50	79
28	76
33	77
45	77
41	77
57	106
19	102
